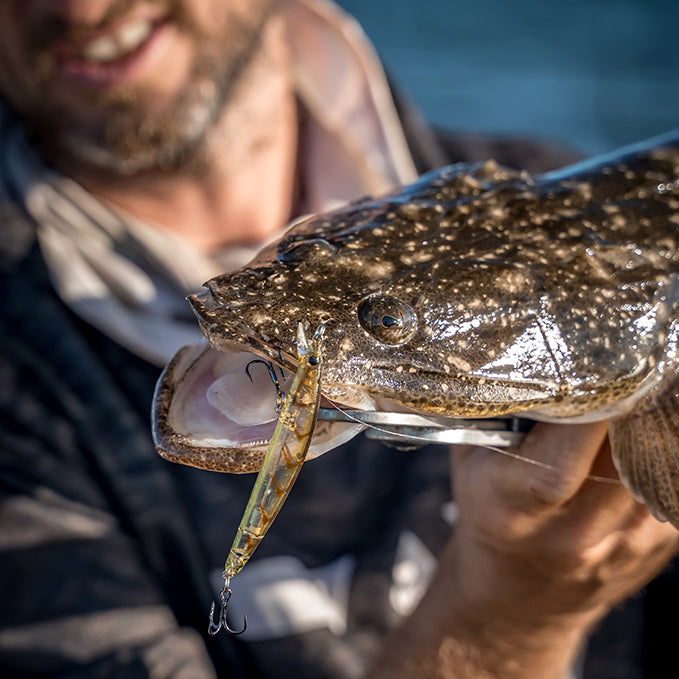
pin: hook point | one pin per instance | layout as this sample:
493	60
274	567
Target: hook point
214	627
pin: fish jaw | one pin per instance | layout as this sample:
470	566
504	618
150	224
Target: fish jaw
225	331
208	414
193	435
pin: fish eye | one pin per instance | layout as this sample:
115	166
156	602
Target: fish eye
387	319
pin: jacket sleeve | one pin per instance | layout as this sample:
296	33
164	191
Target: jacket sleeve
82	593
78	597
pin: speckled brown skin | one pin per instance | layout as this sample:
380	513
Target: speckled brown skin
555	296
556	292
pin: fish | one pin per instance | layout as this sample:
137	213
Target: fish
477	291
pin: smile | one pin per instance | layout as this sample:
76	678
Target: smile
122	51
118	44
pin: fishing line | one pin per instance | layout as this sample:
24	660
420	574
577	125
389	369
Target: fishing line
502	451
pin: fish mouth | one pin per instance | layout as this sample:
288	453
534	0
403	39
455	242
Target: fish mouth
216	410
215	404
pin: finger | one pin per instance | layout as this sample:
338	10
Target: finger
603	505
509	499
601	508
559	458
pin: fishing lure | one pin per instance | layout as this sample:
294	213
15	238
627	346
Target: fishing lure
284	458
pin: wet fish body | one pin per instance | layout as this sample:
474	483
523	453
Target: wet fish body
477	291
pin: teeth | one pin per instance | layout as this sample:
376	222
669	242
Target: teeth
133	34
125	40
101	49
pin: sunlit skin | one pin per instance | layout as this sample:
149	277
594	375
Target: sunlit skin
539	553
246	152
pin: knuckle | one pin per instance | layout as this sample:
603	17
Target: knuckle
547	489
508	527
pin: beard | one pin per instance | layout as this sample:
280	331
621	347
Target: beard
124	138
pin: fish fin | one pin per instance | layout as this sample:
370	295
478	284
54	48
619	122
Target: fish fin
645	449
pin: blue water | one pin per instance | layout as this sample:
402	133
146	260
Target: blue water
595	75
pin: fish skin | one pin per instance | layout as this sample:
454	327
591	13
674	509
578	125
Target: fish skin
479	291
555	294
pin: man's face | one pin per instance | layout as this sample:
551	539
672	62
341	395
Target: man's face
124	85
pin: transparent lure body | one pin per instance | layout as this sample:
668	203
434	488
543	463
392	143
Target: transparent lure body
284	458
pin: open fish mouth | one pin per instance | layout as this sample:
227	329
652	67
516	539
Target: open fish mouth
216	410
215	405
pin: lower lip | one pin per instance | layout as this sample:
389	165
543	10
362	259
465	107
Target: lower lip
128	68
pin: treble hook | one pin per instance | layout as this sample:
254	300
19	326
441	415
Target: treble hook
280	394
224	596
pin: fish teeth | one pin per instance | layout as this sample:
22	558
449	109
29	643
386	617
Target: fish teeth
127	38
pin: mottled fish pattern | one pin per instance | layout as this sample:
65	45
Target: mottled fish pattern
482	291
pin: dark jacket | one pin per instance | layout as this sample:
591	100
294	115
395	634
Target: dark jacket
106	549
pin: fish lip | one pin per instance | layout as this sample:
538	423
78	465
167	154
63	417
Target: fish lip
225	330
178	444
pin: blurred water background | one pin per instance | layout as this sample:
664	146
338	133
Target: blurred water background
592	74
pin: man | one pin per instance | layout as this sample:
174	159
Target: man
146	146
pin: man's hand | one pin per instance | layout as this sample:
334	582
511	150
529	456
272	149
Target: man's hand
539	554
541	540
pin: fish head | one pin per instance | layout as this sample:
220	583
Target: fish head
475	292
